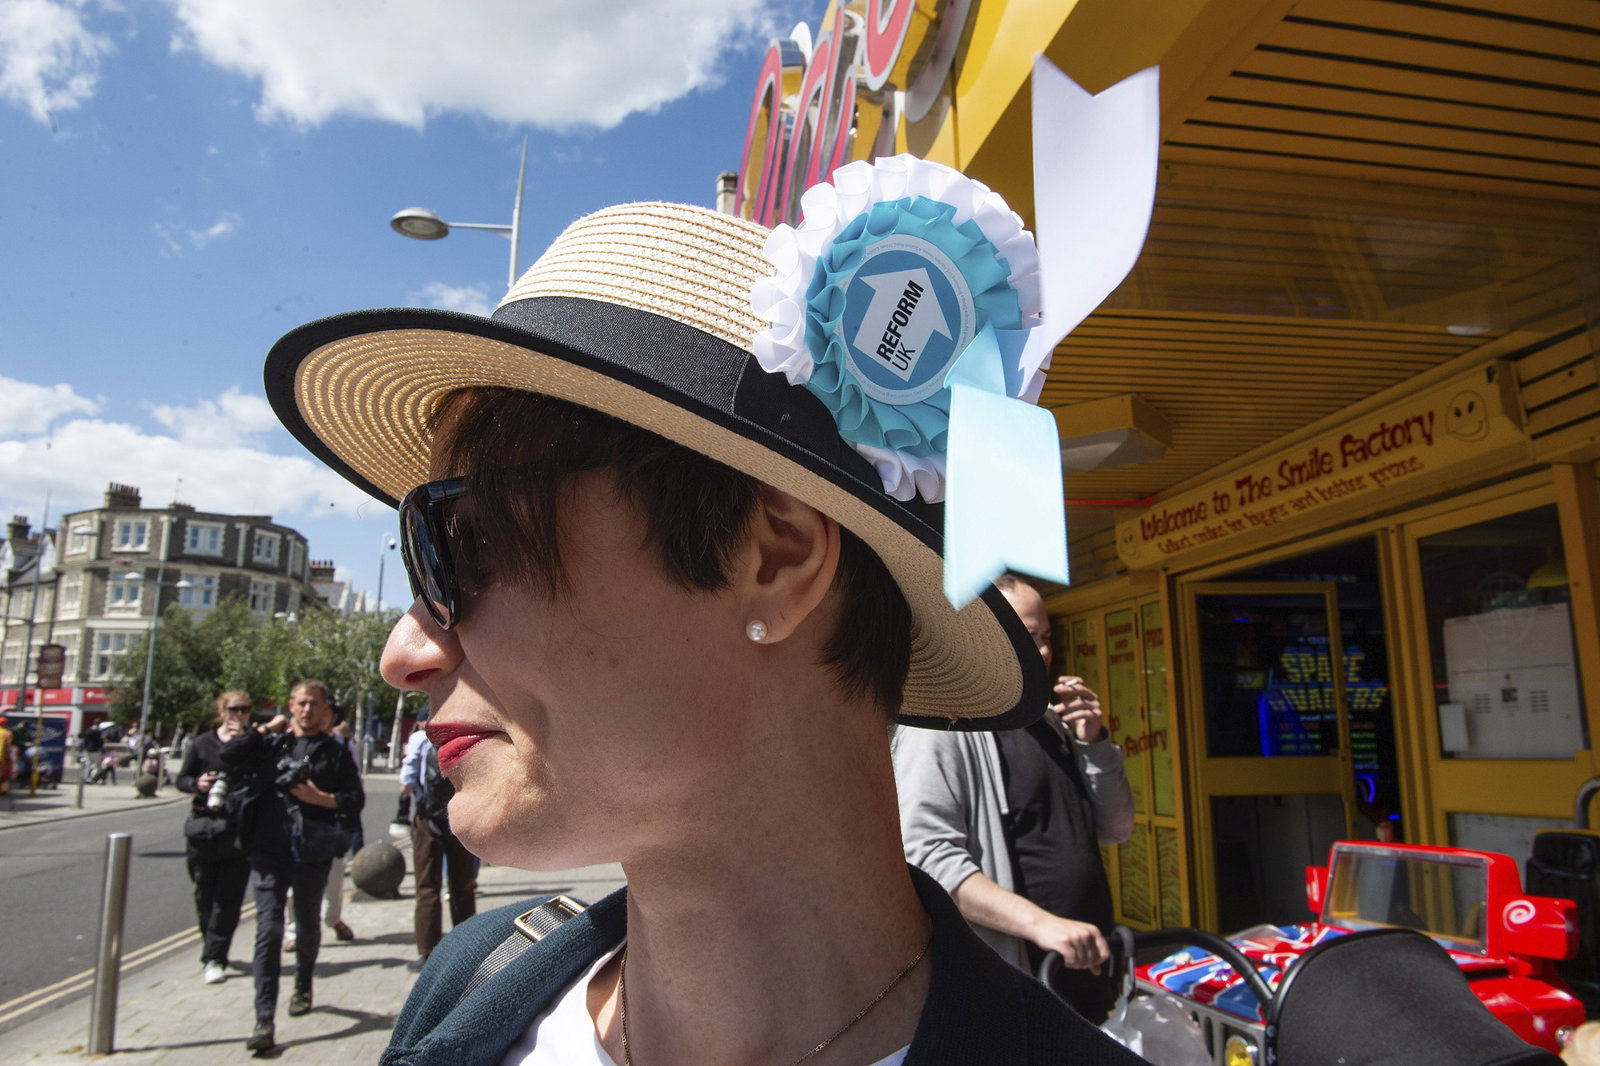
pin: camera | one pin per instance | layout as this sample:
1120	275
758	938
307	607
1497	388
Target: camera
218	793
291	772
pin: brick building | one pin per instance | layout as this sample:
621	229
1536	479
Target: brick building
108	570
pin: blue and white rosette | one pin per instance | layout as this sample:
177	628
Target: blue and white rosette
903	302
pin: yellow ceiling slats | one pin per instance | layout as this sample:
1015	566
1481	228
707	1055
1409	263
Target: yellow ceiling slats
1421	112
1504	29
1401	84
1408	132
1580	13
1554	358
1463	59
1578	376
1256	326
1466	166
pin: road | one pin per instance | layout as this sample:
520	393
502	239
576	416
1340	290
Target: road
51	881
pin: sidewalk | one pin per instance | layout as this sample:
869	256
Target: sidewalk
166	1016
48	805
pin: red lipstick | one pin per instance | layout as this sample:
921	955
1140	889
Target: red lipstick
454	741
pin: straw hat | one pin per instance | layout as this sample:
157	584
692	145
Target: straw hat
643	312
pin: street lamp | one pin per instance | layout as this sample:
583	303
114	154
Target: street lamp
150	635
422	224
385	544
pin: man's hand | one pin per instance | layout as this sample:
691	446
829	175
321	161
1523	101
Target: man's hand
204	782
306	792
1079	709
278	724
1080	944
982	901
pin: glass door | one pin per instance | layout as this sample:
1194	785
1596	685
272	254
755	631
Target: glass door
1268	696
1505	730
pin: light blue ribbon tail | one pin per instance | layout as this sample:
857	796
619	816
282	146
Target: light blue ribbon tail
1003	507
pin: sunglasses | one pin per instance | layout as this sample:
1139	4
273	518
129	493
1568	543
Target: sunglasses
425	548
238	710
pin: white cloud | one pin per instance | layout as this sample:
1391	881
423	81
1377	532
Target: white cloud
473	299
549	64
29	409
212	447
230	420
222	227
178	239
49	59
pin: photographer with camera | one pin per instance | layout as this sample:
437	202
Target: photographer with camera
301	788
218	866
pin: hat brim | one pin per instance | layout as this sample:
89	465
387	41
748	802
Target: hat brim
358	390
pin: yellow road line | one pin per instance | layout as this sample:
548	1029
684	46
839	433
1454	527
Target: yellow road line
78	982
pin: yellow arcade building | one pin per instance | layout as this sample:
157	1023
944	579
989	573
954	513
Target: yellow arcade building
1331	448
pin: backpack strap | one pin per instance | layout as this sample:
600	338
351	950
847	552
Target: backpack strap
530	927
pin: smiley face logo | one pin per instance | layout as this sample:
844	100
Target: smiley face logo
1466	418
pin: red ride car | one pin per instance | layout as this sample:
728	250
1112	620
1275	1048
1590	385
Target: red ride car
1471	903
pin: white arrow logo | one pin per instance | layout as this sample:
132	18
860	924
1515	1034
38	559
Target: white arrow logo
903	314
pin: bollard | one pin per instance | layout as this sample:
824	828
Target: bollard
79	804
108	966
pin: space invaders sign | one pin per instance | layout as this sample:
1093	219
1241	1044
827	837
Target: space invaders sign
1393	451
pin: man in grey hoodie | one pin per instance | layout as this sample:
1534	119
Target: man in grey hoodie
1011	823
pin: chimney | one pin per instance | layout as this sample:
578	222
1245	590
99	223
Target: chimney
727	191
122	496
17	531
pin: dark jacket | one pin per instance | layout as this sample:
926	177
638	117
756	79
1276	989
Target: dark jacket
979	1008
204	756
255	758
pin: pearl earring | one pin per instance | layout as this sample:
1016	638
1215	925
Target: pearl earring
756	631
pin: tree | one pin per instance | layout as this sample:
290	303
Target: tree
232	647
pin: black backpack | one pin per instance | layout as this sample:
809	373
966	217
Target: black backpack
434	805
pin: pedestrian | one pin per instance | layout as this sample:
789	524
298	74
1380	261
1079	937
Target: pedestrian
664	616
8	755
435	850
93	748
298	781
1011	824
218	866
333	893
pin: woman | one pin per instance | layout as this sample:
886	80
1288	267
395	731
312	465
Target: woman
666	616
218	867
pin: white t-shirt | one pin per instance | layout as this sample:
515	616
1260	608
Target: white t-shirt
564	1035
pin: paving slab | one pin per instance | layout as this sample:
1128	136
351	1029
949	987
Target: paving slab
167	1016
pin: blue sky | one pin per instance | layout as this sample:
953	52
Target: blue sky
187	180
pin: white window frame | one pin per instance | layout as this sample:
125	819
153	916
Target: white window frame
80	543
297	559
124	597
69	658
262	596
265	548
71	605
201	593
108	644
125	530
214	531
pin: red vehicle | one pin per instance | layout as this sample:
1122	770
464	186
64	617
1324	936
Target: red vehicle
1471	903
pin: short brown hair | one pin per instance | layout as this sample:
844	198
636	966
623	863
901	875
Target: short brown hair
1008	581
695	509
311	684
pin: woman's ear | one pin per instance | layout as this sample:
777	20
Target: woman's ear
793	553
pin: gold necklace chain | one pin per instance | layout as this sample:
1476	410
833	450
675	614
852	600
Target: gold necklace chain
622	1004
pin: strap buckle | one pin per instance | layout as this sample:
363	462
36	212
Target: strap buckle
544	919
